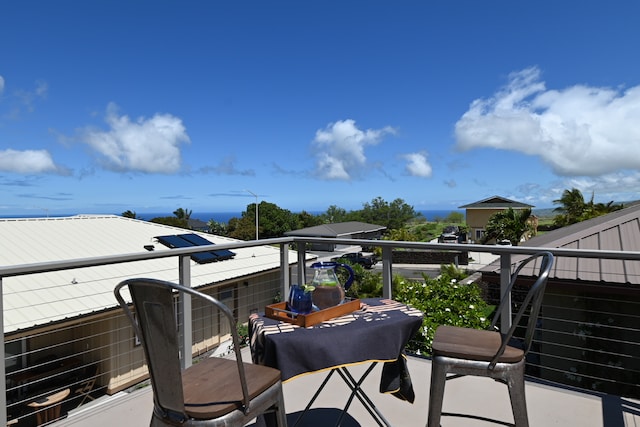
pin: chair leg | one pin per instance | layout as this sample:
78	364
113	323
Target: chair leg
515	382
436	393
281	414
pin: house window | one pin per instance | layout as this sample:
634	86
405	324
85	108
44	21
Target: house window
479	233
15	353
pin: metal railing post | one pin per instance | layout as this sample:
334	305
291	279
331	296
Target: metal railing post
302	266
505	278
185	313
3	373
387	274
285	274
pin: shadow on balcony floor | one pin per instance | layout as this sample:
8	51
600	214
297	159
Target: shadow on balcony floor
316	417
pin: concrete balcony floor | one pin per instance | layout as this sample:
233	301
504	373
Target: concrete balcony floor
481	397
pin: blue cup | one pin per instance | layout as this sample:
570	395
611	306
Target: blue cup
299	300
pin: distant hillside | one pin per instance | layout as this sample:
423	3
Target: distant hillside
544	213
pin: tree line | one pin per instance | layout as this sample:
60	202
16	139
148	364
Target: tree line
396	216
274	221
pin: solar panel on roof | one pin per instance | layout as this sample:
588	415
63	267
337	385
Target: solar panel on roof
195	239
174	242
205	257
201	241
189	240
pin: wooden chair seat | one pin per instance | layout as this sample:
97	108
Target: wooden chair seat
207	396
472	344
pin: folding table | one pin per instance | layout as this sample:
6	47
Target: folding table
378	332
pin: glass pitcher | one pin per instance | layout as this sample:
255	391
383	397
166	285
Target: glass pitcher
328	290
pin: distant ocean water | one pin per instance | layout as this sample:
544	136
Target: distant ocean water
224	217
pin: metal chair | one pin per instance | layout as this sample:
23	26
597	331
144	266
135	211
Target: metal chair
212	392
465	351
90	374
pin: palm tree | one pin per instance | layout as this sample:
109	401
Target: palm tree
510	225
182	213
572	207
593	210
130	214
603	209
215	227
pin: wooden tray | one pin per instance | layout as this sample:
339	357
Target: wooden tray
278	311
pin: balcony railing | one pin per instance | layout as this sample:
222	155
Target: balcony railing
584	337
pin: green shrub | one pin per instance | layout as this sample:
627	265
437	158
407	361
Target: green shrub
243	334
444	301
366	283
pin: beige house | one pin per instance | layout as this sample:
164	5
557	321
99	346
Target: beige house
478	213
71	319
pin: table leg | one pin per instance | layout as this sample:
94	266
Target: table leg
356	391
315	396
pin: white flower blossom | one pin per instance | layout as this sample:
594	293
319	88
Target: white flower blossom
447	309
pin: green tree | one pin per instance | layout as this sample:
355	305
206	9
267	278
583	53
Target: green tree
509	224
182	213
172	221
571	208
218	228
273	221
592	210
333	214
130	214
455	218
574	209
305	219
392	215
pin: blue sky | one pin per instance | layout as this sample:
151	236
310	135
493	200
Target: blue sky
107	106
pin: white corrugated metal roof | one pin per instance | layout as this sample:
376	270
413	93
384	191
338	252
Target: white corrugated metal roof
42	298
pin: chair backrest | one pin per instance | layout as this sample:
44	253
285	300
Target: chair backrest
155	326
541	262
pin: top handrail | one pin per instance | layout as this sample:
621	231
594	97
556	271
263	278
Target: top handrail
41	267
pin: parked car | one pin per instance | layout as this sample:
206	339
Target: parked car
367	261
448	238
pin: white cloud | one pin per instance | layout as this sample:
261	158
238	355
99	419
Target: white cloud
341	148
578	131
27	161
145	145
619	186
418	165
1	84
